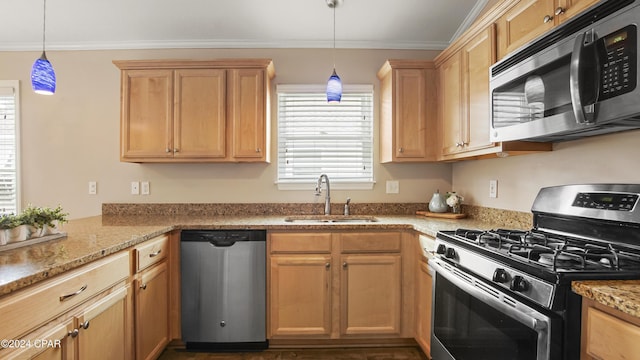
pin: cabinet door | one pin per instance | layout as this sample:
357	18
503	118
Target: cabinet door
52	342
522	23
410	114
478	56
370	294
147	110
452	108
424	299
247	114
105	328
570	8
199	120
152	311
300	295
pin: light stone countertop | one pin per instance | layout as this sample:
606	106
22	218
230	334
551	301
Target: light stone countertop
622	295
92	238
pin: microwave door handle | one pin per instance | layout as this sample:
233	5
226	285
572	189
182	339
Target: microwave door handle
574	81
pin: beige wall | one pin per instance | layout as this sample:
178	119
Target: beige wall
612	158
72	137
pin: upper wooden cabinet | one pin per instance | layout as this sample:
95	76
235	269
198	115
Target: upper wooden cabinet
195	111
407	111
528	19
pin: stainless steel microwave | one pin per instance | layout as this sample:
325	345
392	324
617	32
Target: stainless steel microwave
581	79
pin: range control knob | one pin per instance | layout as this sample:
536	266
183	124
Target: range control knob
500	276
441	249
518	283
450	253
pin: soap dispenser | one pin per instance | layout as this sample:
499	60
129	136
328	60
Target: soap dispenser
437	203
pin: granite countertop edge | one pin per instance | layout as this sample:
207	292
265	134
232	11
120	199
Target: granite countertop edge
622	295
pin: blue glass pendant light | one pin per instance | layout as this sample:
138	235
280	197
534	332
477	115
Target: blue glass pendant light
43	78
334	85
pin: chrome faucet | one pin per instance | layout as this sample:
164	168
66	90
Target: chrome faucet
327	196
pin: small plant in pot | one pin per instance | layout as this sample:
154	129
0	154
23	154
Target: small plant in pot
8	222
43	220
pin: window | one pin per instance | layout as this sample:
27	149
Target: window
315	137
9	120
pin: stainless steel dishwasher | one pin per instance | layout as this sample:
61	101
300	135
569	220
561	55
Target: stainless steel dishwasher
223	289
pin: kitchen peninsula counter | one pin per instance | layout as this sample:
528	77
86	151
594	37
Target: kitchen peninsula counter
622	295
92	238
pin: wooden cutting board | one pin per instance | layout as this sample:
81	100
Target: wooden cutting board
441	215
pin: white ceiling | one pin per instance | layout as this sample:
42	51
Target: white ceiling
143	24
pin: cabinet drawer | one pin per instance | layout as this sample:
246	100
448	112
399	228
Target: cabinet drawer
151	252
301	243
608	337
371	242
33	306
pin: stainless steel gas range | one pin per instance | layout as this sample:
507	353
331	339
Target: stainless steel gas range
506	294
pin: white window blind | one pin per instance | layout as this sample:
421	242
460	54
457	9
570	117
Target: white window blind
315	137
9	91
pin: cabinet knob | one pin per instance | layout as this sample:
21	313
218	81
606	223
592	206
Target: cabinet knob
327	265
344	264
85	325
167	150
258	150
401	150
547	18
176	150
143	286
559	11
73	333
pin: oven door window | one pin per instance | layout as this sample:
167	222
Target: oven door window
472	330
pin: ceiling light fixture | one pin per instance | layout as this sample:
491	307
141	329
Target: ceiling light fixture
43	78
334	85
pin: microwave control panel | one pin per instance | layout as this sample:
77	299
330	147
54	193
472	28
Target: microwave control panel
606	201
618	62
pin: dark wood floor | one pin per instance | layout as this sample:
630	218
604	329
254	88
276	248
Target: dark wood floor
400	353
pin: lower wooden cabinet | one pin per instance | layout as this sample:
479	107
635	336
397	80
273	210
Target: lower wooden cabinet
300	295
152	312
370	294
608	333
104	328
337	285
151	283
424	285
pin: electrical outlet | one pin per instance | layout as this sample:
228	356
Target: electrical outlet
145	188
93	187
493	188
393	186
135	188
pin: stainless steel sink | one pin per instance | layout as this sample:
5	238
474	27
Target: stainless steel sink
330	218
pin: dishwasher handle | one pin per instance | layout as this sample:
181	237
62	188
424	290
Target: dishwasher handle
222	242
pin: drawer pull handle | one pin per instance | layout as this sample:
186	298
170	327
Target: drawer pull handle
155	253
73	333
143	286
65	297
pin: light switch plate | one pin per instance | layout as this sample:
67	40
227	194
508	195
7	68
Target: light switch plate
93	187
493	188
144	188
393	186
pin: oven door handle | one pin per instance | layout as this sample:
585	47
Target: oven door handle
577	58
524	314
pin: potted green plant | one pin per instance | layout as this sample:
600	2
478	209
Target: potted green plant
43	220
7	223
